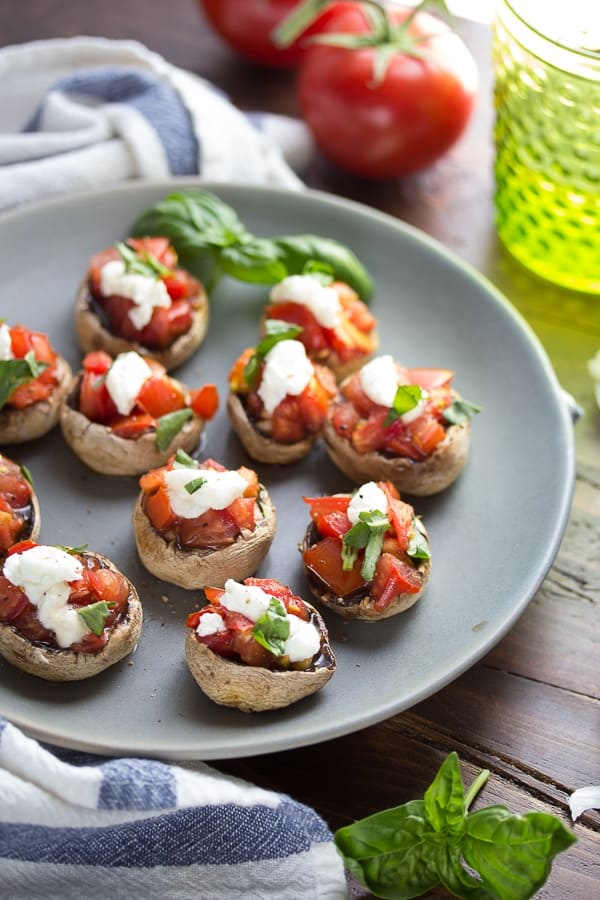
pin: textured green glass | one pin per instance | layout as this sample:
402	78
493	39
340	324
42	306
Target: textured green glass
547	167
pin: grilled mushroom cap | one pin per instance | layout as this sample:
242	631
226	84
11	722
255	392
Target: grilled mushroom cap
198	567
55	664
255	688
105	452
259	446
92	335
360	605
31	422
429	476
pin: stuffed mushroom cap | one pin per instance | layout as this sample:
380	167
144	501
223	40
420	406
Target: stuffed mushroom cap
31	422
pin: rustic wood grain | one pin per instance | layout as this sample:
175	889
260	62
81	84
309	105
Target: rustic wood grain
529	711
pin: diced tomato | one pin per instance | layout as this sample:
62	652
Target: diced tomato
393	576
95	403
312	335
158	509
334	525
132	427
242	512
250	651
11	525
108	585
322	506
428	379
287	422
368	434
250	476
152	481
91	643
159	247
98	362
324	560
177	285
213	595
21	547
205	401
344	418
426	433
237	382
12	600
352	390
160	395
14	487
30	392
215	528
358	313
166	324
313	403
20	339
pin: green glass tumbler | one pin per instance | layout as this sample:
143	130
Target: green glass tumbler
547	137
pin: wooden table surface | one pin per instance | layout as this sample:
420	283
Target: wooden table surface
530	710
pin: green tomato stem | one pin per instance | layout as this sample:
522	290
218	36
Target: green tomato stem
477	785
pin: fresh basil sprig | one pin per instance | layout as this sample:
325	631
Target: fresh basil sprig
275	331
369	533
141	263
169	425
407	397
408	850
15	372
206	232
95	615
272	629
418	545
460	411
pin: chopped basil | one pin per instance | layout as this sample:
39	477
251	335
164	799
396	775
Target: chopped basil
27	474
194	485
272	629
184	459
460	411
72	550
418	545
369	533
169	425
276	331
407	397
94	615
15	372
142	262
349	556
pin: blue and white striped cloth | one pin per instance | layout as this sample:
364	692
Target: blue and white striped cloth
119	829
86	112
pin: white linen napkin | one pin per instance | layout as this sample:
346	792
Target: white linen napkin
86	112
84	826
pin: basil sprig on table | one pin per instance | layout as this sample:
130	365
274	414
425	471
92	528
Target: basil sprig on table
15	372
489	854
275	331
272	629
367	533
203	229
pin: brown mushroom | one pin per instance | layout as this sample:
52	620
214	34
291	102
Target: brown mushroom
105	452
56	664
255	688
31	422
260	446
198	567
92	335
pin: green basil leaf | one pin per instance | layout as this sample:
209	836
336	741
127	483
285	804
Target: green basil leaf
195	484
272	629
513	853
297	250
390	852
26	474
445	798
276	331
460	411
185	460
407	397
418	545
455	878
169	425
255	260
15	372
94	615
349	556
72	550
320	270
357	536
368	532
141	262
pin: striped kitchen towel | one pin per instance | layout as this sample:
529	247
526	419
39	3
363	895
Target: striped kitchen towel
84	112
85	826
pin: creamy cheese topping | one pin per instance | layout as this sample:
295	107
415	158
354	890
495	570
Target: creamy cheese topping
219	490
43	574
146	292
210	623
250	600
322	301
6	351
125	378
379	380
367	498
287	370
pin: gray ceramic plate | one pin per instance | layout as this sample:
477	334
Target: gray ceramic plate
494	533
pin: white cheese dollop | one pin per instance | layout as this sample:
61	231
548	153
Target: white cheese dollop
220	489
367	498
287	370
6	351
250	600
210	623
146	292
379	380
43	574
125	378
323	302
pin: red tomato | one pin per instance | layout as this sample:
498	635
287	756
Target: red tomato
246	25
214	528
325	560
402	122
393	576
205	401
160	395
